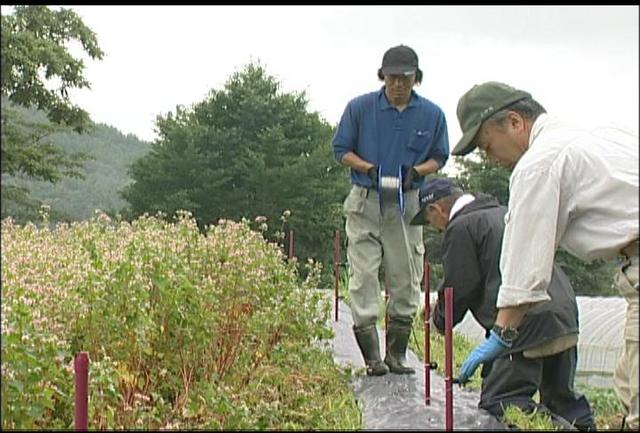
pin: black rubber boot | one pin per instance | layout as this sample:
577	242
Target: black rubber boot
398	332
367	338
579	414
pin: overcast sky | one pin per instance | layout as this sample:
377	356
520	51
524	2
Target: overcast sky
580	62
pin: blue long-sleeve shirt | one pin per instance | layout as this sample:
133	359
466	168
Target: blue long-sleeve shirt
378	133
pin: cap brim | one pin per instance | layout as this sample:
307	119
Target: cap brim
465	145
398	70
419	219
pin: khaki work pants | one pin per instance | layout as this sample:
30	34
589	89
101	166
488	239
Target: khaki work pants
625	378
382	237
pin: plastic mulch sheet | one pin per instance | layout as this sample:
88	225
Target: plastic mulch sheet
396	401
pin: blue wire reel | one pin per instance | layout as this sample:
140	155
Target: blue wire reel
390	188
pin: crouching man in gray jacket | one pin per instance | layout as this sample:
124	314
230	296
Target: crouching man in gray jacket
542	354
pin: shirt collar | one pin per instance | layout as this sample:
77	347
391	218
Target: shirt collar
462	201
384	103
537	127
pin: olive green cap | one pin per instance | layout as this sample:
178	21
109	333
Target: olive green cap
480	103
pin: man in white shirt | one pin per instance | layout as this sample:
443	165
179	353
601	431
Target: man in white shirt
571	188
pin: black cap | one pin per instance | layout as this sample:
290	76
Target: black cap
399	60
431	191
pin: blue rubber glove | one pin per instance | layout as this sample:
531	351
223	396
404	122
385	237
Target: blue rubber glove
492	348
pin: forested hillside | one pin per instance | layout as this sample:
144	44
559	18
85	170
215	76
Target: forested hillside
106	172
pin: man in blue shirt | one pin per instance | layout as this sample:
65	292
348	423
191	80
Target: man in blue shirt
390	138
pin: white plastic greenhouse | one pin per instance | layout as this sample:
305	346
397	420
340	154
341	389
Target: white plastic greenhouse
600	341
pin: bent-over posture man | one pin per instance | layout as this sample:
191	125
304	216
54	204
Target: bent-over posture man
542	356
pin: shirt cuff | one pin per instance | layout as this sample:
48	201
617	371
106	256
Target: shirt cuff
440	160
339	154
511	296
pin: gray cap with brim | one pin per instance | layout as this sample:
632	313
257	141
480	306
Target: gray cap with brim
477	105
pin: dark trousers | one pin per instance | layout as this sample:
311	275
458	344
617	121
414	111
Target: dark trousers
514	379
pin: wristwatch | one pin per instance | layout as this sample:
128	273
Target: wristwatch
508	333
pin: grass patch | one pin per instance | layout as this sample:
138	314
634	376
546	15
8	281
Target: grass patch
515	416
606	406
461	349
604	402
304	383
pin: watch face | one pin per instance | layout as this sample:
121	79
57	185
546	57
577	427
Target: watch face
509	333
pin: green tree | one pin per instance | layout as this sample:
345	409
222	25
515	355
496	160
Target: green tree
484	176
37	71
589	279
247	150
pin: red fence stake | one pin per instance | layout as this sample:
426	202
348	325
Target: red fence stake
448	352
290	244
336	270
428	366
81	367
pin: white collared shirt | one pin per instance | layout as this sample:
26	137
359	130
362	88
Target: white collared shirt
572	188
461	202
